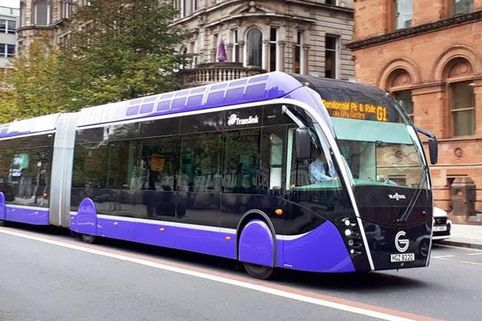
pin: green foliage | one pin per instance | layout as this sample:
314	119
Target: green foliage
121	49
117	50
33	87
8	106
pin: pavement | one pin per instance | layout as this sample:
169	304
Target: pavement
465	235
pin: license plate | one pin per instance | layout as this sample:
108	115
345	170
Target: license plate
440	228
403	257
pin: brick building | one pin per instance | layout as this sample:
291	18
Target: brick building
428	53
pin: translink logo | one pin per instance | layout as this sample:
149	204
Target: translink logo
234	120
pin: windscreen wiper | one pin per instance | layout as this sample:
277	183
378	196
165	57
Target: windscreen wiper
406	214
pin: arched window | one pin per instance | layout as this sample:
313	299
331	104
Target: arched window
41	12
461	97
398	83
254	48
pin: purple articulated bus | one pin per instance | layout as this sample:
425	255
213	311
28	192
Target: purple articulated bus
275	171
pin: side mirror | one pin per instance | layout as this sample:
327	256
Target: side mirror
433	150
303	143
432	144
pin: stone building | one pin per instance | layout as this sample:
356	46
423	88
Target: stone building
306	37
44	18
8	36
428	53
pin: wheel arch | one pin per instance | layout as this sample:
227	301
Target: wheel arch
250	216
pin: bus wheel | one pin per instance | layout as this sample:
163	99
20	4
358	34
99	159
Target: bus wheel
2	223
89	239
259	271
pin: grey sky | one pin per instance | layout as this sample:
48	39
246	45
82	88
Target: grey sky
10	3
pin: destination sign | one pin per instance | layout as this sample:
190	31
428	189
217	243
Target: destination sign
354	110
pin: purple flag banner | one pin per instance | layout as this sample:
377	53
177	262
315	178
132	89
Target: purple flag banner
222	57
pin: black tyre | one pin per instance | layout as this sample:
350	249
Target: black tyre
89	239
2	223
259	271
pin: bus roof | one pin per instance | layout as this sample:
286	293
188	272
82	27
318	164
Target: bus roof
240	91
342	90
29	126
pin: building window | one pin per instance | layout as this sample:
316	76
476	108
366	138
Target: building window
462	106
403	12
185	7
273	49
41	12
331	56
235	54
67	8
298	54
7	50
254	48
462	6
404	98
331	2
11	26
7	26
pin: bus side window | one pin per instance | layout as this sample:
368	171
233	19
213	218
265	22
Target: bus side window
160	156
272	158
200	163
241	162
28	178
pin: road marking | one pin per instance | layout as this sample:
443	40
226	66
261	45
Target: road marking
442	256
256	285
474	263
459	247
475	254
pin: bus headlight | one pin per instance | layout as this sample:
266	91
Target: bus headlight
351	234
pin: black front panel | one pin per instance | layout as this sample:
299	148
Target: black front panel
397	223
398	247
387	205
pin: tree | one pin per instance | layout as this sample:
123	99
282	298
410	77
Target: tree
120	49
8	106
34	87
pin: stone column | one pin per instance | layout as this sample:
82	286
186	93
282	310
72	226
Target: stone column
229	52
241	51
430	109
305	61
281	50
266	58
